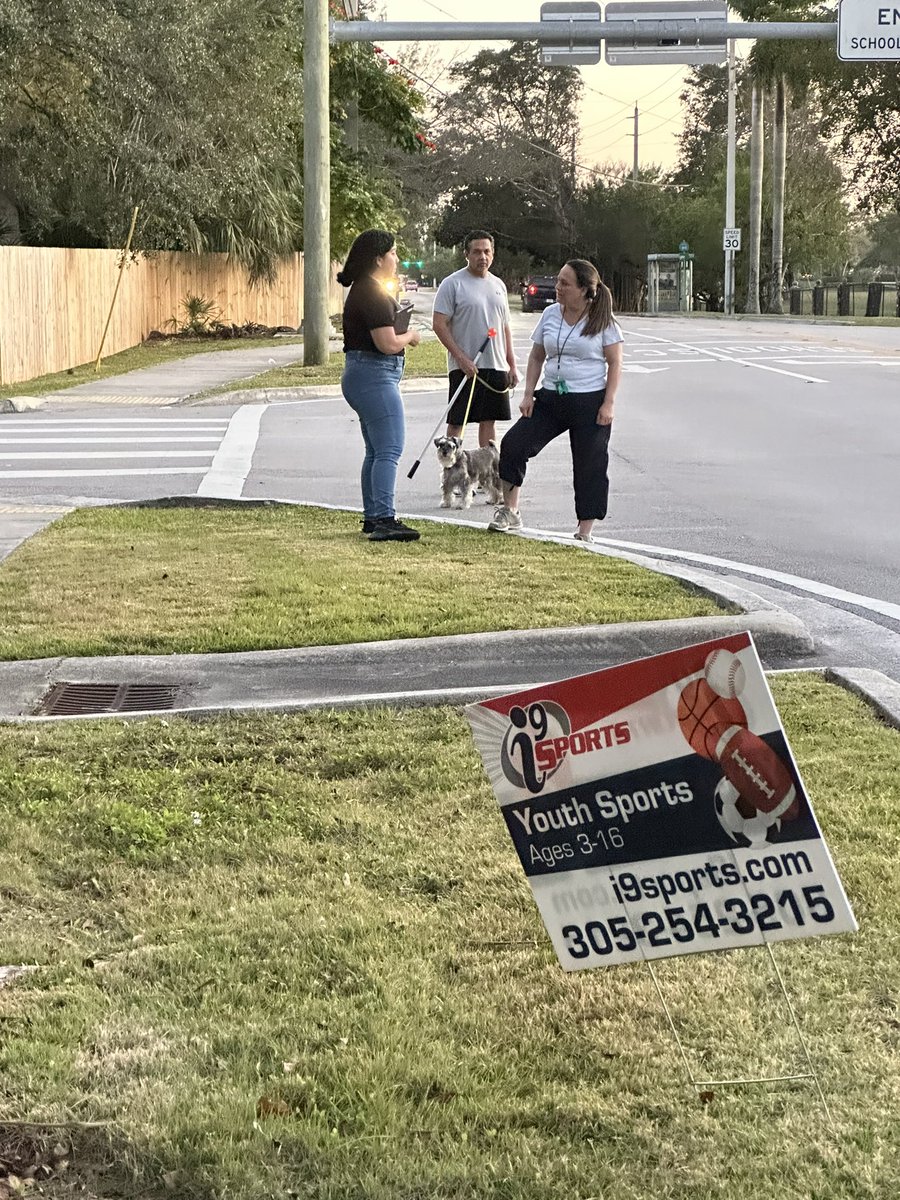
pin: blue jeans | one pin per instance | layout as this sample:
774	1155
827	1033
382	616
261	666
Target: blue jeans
371	386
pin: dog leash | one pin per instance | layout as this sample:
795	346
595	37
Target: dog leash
491	333
465	421
484	383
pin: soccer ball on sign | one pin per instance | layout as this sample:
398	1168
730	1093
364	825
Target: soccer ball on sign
745	831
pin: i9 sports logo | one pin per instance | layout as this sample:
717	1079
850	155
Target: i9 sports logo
528	727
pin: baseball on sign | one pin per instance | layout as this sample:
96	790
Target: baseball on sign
725	673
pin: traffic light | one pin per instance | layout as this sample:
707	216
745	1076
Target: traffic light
420	262
406	263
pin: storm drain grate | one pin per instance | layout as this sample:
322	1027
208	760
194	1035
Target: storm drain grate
74	699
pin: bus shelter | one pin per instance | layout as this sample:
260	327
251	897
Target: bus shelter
670	283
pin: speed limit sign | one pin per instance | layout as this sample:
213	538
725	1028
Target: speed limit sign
731	239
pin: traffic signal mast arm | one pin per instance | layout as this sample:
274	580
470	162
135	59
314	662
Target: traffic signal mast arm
579	33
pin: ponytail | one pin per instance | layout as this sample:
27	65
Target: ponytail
600	310
600	313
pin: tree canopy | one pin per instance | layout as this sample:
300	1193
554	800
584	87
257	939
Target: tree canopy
194	113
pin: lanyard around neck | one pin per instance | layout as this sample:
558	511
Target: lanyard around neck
561	350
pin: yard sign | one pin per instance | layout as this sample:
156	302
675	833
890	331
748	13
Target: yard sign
657	809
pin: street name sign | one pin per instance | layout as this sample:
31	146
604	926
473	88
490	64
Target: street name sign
731	239
868	31
564	54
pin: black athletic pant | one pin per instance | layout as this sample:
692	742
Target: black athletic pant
552	415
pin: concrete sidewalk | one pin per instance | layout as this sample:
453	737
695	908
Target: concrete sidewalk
173	382
178	381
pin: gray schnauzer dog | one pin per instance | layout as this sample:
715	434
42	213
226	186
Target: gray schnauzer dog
465	470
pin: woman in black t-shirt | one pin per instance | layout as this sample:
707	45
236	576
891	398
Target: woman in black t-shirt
371	380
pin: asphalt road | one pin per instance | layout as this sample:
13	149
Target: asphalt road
769	452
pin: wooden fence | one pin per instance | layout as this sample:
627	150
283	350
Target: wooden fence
54	302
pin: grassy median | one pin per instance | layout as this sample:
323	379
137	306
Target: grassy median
425	361
180	580
295	956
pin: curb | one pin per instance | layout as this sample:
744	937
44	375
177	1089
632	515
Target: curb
19	404
287	680
288	395
877	689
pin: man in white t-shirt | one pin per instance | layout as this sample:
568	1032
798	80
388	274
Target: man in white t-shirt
469	303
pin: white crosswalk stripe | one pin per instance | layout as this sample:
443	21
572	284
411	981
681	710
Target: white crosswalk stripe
85	441
103	447
114	473
7	456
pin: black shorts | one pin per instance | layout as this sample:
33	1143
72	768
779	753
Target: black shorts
486	405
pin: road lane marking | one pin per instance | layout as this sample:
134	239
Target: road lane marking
113	426
741	362
88	441
672	362
825	590
101	471
232	462
6	456
841	362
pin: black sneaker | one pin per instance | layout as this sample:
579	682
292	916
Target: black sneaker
389	529
368	524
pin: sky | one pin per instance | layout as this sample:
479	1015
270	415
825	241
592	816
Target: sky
610	93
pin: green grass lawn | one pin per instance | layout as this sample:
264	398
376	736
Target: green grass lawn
147	354
179	580
427	360
295	956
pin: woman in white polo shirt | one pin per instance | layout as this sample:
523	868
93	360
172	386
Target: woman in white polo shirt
578	344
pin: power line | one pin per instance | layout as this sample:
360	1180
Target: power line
594	129
571	163
665	100
660	85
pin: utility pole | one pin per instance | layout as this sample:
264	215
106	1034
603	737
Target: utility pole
729	183
316	184
634	169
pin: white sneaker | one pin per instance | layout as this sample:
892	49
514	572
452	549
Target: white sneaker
505	520
582	537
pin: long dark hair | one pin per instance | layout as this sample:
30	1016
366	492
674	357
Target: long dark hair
600	309
371	245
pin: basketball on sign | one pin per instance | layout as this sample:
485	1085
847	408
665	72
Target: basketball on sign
703	714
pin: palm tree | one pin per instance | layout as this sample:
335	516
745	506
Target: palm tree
757	135
771	65
779	162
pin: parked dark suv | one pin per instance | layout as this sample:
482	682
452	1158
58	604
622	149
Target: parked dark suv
538	291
